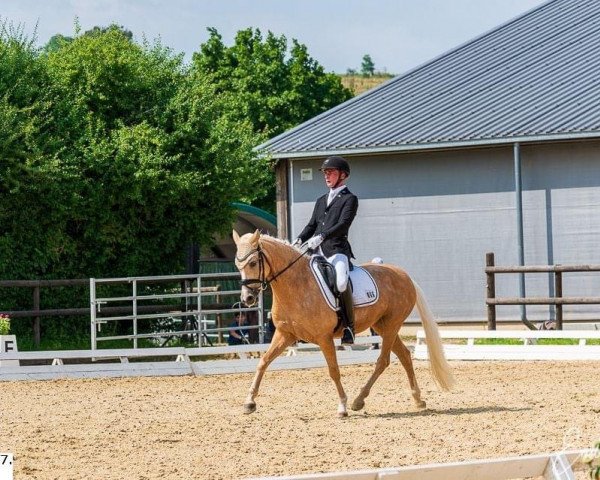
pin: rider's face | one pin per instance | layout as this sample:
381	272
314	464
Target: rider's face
331	175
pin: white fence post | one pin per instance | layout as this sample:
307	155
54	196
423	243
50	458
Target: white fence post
135	315
559	468
93	312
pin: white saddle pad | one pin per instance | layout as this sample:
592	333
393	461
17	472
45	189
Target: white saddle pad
364	288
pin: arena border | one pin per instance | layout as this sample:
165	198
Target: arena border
552	466
115	363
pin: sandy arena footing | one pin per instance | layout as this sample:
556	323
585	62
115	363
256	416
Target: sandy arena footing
193	427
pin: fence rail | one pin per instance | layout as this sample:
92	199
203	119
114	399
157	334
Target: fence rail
192	312
558	300
36	313
117	311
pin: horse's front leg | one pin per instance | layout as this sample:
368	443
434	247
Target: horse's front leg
281	340
328	349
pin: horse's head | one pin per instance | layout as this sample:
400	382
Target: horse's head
249	260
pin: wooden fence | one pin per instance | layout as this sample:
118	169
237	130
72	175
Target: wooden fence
36	312
558	300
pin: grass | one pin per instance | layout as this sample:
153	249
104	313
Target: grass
541	341
359	84
497	341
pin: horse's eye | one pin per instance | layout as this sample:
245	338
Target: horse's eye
252	264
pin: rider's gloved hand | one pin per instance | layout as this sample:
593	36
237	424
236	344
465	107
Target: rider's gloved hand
314	242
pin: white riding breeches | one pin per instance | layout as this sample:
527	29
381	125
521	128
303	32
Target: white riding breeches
340	263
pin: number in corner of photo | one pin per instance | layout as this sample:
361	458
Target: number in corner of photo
6	466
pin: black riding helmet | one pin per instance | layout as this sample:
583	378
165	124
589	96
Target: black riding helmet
338	163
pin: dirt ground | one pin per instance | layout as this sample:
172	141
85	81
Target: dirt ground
193	427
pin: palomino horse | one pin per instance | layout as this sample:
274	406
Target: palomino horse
301	313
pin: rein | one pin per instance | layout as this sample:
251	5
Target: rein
264	282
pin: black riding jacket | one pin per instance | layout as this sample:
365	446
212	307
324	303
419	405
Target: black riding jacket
332	222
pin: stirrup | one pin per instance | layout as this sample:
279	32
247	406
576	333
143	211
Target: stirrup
347	336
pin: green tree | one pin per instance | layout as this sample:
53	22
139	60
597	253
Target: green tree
98	30
367	66
114	157
153	154
276	86
22	81
56	42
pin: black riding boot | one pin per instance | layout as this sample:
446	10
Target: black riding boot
347	307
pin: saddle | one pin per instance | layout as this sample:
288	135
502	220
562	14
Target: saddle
327	273
364	289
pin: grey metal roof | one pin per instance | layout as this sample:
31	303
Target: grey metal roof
536	77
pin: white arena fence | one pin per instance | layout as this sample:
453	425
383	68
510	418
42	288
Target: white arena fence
178	361
169	361
551	466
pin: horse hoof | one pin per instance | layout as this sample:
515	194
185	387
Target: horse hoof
421	405
249	408
342	414
358	404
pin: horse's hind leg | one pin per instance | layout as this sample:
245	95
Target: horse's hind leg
281	340
382	363
403	355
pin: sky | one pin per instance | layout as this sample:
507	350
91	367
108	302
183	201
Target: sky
398	34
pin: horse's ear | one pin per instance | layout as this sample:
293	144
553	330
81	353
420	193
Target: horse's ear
254	238
236	237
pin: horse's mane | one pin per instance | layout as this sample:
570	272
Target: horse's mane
264	236
279	241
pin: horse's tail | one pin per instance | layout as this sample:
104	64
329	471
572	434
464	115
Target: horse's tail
440	369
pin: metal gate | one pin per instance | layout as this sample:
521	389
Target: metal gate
151	298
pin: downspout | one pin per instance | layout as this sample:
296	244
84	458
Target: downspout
520	236
291	200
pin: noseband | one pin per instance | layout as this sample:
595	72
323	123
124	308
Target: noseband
261	271
261	280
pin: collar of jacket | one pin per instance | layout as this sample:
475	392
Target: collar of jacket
344	191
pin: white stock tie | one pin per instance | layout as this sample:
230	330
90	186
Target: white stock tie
330	197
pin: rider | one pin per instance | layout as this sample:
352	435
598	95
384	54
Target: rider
327	232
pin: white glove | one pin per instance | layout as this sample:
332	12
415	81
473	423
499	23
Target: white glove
297	243
314	242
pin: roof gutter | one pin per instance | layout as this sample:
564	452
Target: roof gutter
435	146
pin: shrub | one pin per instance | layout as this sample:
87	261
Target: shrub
4	324
592	459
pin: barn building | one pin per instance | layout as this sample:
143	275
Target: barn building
491	147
